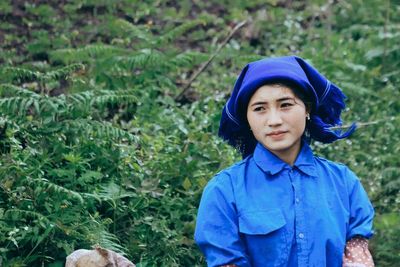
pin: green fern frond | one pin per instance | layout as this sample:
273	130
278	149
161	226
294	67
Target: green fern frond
112	192
70	55
20	74
30	101
179	31
114	99
81	98
146	58
91	196
100	97
52	104
12	90
25	75
188	59
18	215
118	96
62	72
57	189
100	129
123	28
16	106
109	241
60	101
105	129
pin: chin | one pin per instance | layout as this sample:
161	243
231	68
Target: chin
280	147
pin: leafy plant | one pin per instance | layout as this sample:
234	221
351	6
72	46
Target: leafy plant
97	147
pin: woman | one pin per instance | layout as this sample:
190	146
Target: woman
281	205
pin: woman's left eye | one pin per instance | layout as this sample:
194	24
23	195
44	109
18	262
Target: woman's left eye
286	105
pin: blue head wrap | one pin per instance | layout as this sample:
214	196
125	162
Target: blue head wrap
327	100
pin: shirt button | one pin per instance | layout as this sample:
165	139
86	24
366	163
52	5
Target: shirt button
297	200
301	235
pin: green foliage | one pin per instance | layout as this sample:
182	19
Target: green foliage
96	149
386	246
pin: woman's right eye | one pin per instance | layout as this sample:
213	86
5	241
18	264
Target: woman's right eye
260	108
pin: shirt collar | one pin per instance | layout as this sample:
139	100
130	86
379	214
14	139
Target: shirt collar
272	164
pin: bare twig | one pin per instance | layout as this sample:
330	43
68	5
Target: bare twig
385	32
205	65
359	125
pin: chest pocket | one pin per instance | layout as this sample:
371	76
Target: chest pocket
261	222
266	237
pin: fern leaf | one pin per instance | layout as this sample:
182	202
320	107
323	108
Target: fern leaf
24	105
47	104
63	72
20	74
12	90
18	215
188	59
15	105
110	241
123	28
146	58
81	98
179	31
114	99
89	195
112	192
118	96
49	186
84	54
100	129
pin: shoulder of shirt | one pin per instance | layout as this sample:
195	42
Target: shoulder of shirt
227	175
330	163
337	167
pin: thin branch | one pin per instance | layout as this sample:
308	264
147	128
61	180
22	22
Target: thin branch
385	32
205	65
359	125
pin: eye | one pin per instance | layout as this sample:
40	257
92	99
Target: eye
259	108
286	105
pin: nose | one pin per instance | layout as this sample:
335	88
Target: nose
274	118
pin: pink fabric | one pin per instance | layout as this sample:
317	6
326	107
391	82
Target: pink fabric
357	253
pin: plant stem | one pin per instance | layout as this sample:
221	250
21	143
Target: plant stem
205	65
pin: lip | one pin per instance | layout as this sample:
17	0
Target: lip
276	134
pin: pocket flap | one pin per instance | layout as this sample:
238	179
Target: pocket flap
261	222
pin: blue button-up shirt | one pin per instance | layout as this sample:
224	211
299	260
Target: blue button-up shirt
263	212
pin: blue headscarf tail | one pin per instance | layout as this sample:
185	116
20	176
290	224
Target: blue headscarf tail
327	100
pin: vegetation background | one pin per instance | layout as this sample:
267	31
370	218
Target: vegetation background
106	139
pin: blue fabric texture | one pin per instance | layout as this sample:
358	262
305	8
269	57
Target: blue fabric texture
263	212
326	98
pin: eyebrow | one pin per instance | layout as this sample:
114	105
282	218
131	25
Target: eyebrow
278	100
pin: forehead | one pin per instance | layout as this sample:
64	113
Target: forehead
272	92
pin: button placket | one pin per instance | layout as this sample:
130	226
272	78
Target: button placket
301	239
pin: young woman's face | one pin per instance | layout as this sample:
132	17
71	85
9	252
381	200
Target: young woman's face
277	119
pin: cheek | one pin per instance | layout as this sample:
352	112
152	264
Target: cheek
253	121
298	122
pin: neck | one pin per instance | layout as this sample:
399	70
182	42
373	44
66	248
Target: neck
289	155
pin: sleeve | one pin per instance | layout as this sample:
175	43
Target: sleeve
217	232
361	210
357	254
